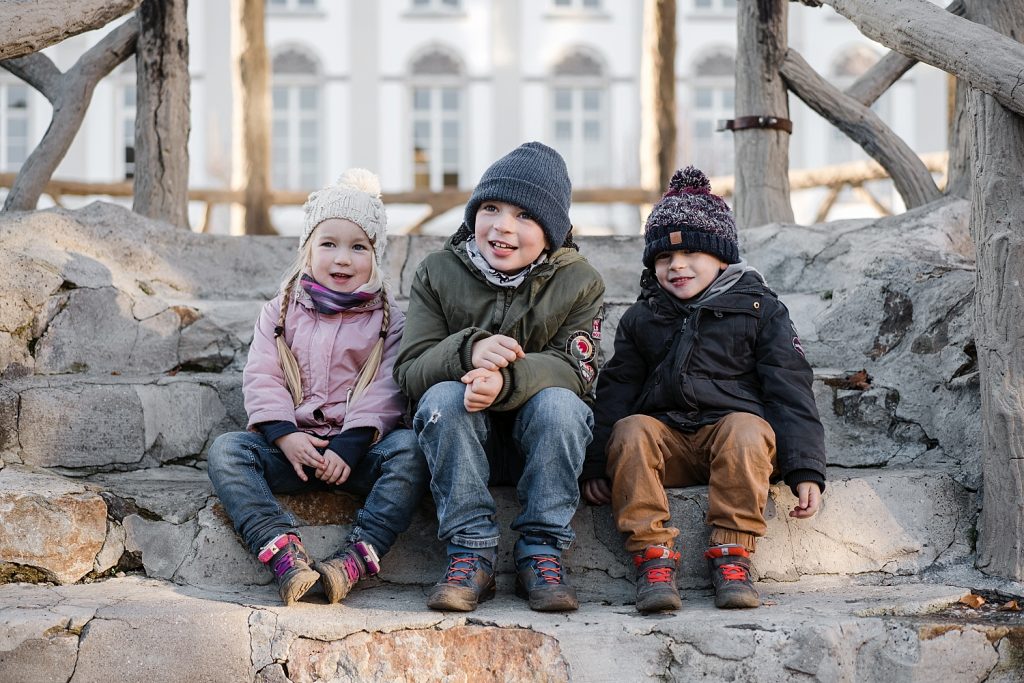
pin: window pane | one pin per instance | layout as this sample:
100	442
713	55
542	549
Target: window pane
451	179
280	130
453	4
421	99
308	130
17	97
563	130
129	129
592	4
702	129
308	98
591	100
563	3
449	99
729	4
703	98
702	4
591	131
729	99
421	3
277	3
17	128
563	99
307	154
421	133
279	97
308	4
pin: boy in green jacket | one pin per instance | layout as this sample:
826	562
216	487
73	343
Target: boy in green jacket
500	346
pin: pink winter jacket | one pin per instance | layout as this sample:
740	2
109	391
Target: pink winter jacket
330	350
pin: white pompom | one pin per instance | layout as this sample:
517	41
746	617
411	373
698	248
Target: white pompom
362	180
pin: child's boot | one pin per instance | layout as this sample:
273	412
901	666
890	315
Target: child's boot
468	581
730	573
541	579
341	571
656	579
288	560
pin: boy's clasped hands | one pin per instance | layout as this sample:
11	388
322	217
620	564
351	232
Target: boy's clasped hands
301	450
484	381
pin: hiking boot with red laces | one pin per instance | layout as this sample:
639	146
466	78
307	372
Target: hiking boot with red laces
656	579
468	581
541	578
288	560
342	571
730	573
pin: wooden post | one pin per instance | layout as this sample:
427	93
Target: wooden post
762	154
250	168
658	95
162	118
997	226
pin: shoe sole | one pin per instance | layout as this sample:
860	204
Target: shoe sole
297	587
543	602
336	583
659	603
459	598
737	601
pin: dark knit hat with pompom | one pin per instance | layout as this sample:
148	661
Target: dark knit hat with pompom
689	217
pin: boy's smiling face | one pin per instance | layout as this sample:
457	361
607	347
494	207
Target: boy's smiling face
507	236
685	274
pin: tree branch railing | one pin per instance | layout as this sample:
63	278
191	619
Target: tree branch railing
836	178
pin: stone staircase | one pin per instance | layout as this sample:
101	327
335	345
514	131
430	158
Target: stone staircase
121	348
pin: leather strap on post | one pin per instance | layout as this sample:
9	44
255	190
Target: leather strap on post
745	122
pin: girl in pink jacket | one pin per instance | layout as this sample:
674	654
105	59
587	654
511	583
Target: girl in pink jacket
321	400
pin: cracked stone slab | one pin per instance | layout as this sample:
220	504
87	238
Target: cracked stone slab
821	629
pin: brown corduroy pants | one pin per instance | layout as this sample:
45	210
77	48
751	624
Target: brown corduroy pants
735	457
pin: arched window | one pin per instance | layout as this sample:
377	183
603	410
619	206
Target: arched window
124	116
14	123
711	99
296	124
437	119
848	65
579	116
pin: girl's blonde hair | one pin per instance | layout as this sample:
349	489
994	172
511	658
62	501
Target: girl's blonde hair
289	365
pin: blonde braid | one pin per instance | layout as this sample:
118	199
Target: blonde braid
369	371
289	365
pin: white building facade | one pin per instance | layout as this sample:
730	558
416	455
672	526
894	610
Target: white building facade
427	93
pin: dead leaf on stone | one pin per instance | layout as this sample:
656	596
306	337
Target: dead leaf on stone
973	601
1010	606
859	381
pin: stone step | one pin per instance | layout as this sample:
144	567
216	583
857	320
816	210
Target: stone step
133	628
165	520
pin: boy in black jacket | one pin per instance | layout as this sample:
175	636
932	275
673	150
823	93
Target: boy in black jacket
708	385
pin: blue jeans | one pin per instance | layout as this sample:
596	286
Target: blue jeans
246	472
550	434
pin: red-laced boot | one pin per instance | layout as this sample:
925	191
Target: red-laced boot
730	574
656	579
288	560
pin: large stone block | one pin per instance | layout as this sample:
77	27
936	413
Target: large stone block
50	527
96	331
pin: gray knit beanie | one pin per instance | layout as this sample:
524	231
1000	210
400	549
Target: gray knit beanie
355	197
532	176
689	217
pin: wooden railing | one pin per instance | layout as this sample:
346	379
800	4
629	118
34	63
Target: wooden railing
835	178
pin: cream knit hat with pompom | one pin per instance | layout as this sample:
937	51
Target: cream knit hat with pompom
355	197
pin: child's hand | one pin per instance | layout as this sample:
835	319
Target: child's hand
496	351
482	387
301	449
334	470
810	499
597	491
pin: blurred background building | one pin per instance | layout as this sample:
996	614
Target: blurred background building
428	93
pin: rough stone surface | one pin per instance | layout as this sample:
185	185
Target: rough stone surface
48	525
484	653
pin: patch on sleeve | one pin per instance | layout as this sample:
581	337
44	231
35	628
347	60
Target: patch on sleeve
595	328
587	372
796	341
581	346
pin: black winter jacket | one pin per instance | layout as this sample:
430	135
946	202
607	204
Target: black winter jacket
689	365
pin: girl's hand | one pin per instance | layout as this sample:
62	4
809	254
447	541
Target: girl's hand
810	500
482	387
301	449
496	351
335	470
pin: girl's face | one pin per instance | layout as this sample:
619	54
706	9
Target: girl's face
685	274
341	256
507	236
